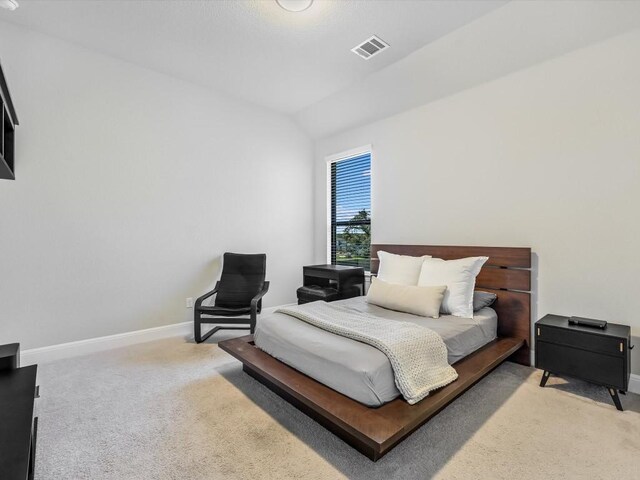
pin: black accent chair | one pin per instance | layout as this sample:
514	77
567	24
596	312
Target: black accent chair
239	293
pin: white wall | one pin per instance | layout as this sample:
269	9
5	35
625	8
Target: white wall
130	185
548	157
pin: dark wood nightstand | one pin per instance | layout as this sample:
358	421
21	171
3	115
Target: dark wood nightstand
597	356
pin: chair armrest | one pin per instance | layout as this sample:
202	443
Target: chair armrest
207	295
261	293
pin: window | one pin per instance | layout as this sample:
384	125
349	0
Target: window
350	204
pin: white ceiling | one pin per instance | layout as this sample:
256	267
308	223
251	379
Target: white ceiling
516	36
301	63
252	49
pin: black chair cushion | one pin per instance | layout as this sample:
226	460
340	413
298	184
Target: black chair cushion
242	279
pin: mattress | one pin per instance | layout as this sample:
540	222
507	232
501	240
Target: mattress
356	369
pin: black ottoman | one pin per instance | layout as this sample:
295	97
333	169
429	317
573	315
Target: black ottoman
313	293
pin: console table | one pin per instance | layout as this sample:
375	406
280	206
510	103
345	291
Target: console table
18	427
597	356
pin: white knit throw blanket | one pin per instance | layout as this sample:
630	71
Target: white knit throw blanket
417	354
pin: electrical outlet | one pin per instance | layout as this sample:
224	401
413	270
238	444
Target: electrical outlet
190	302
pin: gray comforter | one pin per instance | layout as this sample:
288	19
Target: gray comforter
356	369
417	354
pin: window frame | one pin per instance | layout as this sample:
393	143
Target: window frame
330	160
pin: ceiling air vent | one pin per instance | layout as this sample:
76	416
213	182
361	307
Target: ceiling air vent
370	47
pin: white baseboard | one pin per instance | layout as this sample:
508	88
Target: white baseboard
532	354
100	344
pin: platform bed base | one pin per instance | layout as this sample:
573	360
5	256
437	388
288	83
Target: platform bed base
371	431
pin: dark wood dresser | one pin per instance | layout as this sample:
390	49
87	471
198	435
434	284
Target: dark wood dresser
600	356
18	426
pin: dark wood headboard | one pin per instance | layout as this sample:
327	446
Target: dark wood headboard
507	273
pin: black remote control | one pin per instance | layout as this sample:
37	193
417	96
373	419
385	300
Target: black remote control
588	322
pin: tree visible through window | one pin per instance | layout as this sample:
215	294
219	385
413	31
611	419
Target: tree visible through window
351	211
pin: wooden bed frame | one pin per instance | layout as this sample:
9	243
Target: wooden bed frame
375	431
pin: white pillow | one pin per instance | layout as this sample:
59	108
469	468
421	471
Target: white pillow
400	269
460	278
423	301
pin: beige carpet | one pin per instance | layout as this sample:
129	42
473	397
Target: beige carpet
175	410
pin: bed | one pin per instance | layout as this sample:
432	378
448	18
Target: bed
348	386
355	369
